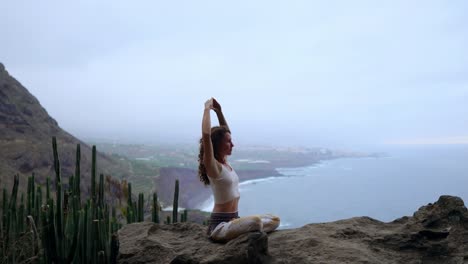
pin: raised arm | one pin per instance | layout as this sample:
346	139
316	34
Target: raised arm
219	113
212	168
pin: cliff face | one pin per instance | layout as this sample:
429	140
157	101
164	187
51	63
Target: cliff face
436	233
26	131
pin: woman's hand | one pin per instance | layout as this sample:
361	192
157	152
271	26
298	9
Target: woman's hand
216	106
209	104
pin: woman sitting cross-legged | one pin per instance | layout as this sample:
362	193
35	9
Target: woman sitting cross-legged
214	170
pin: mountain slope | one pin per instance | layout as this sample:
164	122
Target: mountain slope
26	131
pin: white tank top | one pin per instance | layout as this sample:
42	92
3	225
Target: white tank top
226	186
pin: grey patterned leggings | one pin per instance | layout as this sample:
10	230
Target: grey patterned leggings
227	226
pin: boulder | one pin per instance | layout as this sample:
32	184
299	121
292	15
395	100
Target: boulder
436	233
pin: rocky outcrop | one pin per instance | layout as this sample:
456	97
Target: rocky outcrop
436	233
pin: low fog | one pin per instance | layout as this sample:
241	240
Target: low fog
301	73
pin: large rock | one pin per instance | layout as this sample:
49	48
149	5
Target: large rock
436	233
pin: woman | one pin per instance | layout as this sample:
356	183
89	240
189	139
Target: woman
214	170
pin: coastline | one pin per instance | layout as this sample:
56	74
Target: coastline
195	195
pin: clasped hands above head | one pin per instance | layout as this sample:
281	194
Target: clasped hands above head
213	104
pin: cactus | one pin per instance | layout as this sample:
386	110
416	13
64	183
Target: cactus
29	198
155	212
34	233
63	222
77	182
176	202
33	191
114	224
10	225
114	249
129	205
101	257
70	232
101	190
135	212
129	199
38	204
59	221
56	161
21	215
185	214
93	175
47	188
141	214
4	208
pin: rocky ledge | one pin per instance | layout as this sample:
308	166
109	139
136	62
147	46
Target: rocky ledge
436	233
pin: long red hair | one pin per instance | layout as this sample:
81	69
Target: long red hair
217	135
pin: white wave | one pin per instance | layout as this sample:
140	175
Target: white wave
207	206
258	180
283	225
169	208
300	171
252	161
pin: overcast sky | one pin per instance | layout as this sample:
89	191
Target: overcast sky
312	73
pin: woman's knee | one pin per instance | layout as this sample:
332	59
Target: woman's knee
249	223
257	223
270	222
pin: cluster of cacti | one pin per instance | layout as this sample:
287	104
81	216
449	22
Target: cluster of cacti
135	212
72	232
15	221
65	230
9	224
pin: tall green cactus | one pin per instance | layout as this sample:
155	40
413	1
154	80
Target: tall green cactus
48	188
114	248
29	198
61	226
58	178
38	203
11	220
4	208
101	190
93	175
77	182
21	215
130	211
184	215
175	205
33	191
129	198
141	201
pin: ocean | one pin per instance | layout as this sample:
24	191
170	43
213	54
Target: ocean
384	188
